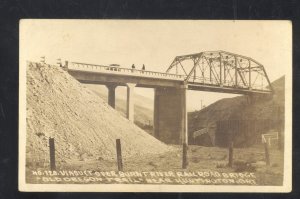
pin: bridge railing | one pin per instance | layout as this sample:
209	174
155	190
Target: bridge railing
203	80
119	70
211	81
227	83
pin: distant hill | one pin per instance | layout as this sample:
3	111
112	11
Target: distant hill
239	108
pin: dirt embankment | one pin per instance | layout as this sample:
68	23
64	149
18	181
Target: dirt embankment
83	125
143	106
240	108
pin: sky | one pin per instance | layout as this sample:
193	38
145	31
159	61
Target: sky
156	43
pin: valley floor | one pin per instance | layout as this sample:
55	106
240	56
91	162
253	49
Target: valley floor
201	159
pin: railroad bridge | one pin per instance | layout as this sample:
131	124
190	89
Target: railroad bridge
214	71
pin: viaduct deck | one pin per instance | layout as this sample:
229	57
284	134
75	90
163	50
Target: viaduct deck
100	74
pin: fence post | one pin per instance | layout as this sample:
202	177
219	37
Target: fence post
230	160
267	155
119	155
279	136
184	156
52	154
279	125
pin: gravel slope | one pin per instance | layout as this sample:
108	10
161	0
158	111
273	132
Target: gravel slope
83	125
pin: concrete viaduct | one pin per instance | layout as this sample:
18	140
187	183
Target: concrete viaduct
214	71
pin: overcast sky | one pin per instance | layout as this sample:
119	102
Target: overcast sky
156	43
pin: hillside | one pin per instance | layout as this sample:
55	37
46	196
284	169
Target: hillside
83	125
143	107
239	108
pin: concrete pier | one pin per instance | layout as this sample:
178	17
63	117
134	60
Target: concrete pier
130	101
111	94
170	116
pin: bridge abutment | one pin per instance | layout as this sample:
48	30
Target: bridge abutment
170	116
130	101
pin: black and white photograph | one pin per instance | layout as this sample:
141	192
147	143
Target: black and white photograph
155	105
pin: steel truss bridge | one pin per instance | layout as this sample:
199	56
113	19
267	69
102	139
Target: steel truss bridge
216	71
221	69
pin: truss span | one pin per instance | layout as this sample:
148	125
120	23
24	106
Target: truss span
221	68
